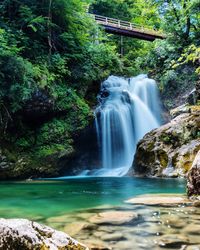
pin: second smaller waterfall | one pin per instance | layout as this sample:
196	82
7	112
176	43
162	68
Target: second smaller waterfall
127	110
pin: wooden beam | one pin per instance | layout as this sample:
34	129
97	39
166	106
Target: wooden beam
132	33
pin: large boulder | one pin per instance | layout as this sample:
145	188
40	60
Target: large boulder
193	185
25	234
169	150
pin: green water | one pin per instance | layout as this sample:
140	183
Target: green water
43	199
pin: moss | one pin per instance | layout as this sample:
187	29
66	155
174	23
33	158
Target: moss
174	159
24	142
187	165
166	139
53	138
172	138
163	158
150	146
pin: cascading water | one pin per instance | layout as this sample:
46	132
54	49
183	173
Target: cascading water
127	110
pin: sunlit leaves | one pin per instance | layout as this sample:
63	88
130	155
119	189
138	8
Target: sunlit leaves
190	55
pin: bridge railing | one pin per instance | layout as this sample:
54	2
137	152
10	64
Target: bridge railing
123	24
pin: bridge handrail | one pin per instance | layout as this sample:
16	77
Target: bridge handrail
123	24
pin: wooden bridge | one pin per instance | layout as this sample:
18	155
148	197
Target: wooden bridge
123	28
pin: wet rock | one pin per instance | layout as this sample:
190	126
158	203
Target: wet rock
155	200
74	228
196	203
192	229
106	229
172	241
113	237
98	234
184	157
99	247
25	234
114	218
194	247
90	226
193	184
174	221
170	149
179	110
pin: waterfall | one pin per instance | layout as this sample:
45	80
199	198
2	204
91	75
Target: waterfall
127	110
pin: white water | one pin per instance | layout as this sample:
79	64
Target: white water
127	110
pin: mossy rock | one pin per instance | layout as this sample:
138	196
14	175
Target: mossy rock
163	158
173	144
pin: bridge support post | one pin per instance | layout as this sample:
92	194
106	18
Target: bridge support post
121	46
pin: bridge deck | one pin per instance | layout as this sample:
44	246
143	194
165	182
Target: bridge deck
124	28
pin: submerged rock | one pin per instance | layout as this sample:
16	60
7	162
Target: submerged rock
25	234
193	247
192	229
113	237
114	218
172	241
164	200
170	149
193	185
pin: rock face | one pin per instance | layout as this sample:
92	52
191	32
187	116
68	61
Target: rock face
193	185
25	234
169	150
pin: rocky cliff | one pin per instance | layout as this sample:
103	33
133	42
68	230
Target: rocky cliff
169	150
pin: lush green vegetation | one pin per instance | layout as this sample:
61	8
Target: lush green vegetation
173	61
49	60
53	57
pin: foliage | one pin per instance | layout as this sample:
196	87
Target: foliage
191	54
143	13
49	47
